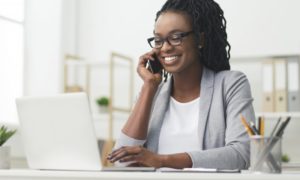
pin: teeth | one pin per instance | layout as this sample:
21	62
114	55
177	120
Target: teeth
170	58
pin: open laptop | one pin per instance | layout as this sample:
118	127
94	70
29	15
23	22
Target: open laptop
58	133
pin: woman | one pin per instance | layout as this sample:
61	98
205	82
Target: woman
192	119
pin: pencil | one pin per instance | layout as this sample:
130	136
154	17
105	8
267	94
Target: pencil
261	123
246	125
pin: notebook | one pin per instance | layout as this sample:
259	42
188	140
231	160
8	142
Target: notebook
58	134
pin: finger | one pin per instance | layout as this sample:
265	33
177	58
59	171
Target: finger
116	152
128	158
126	151
147	56
135	164
118	156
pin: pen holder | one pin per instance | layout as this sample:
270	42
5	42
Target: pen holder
265	154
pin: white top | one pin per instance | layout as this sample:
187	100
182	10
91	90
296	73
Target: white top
179	132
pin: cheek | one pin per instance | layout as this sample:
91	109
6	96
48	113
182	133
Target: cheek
191	53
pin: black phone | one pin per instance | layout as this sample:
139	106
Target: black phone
154	66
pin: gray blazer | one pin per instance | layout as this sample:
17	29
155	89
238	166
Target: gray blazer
223	139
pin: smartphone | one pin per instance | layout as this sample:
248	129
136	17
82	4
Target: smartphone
154	66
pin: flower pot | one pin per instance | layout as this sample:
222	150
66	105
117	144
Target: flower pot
103	109
4	157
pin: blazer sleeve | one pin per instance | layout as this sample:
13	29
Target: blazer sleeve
236	152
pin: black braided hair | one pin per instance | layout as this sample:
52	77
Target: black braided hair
208	18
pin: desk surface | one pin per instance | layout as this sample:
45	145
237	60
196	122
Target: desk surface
15	174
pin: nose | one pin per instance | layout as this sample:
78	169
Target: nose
166	47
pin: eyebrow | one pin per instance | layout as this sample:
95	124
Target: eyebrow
171	32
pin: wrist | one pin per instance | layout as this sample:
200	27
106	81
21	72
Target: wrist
150	86
163	160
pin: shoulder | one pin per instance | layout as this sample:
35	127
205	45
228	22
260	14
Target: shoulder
229	75
233	83
230	78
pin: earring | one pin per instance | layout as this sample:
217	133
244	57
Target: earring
200	47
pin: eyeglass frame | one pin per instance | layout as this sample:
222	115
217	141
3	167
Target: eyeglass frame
166	39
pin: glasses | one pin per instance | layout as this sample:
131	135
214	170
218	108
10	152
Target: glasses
173	39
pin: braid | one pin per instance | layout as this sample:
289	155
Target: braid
208	18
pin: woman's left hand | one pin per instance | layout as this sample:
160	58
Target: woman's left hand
137	155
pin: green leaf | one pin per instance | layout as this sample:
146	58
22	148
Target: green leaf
5	134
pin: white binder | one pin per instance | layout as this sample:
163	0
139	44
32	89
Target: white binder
268	104
293	84
280	67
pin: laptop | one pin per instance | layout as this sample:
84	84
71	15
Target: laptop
58	134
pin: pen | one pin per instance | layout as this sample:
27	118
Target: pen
275	127
254	128
261	125
282	127
246	125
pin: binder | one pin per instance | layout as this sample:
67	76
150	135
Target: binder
280	69
293	84
268	104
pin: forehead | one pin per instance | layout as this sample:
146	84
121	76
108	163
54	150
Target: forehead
171	21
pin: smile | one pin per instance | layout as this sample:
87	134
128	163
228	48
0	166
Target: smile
170	58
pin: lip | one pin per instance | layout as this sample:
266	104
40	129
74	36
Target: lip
170	59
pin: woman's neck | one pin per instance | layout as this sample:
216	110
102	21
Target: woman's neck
186	86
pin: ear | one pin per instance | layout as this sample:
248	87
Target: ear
201	41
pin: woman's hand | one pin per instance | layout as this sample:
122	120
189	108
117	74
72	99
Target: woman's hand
145	74
138	155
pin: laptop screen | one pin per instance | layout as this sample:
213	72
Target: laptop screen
58	133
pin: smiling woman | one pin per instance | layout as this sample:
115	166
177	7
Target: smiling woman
192	119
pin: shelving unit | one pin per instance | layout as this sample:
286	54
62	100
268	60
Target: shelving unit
294	115
254	68
76	61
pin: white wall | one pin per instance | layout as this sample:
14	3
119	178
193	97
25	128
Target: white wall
115	25
94	28
42	66
43	29
262	28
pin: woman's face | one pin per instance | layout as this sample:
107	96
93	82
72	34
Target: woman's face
179	58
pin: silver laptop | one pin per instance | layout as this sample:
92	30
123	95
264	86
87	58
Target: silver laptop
58	133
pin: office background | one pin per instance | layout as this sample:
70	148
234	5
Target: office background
38	34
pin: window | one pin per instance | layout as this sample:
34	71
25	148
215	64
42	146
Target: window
11	57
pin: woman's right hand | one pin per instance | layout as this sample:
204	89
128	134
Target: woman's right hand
147	76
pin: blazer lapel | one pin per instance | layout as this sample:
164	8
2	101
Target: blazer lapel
158	113
206	93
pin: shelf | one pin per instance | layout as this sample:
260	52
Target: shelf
278	114
105	116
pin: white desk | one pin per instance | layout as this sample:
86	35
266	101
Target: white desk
69	175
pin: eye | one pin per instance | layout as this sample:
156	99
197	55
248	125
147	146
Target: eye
157	40
175	37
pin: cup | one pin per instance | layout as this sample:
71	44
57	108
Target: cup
265	154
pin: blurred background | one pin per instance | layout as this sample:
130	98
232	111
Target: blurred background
55	46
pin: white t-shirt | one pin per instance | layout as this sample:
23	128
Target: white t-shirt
179	132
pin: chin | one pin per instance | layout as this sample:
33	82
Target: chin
172	70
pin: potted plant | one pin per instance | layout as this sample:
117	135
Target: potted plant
103	103
5	134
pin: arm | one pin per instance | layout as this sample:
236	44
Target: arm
140	156
137	124
135	129
235	154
